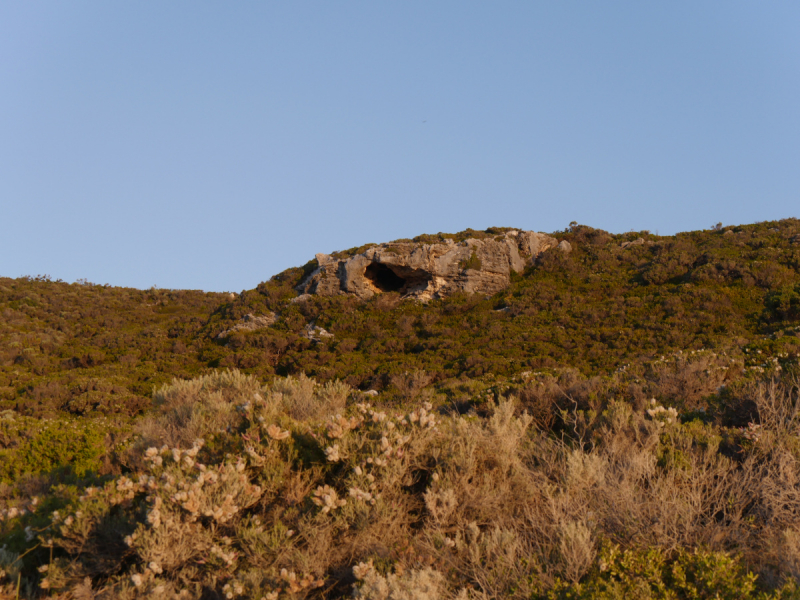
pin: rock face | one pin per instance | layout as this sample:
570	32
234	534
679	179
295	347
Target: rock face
427	271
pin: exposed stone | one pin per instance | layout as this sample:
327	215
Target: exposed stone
250	323
315	333
565	246
636	242
427	271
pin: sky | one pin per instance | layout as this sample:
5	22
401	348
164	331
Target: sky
201	145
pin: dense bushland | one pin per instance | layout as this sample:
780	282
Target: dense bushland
620	422
84	348
598	309
234	489
89	349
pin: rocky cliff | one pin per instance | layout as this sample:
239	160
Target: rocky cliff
427	271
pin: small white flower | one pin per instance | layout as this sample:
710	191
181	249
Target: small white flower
362	569
332	453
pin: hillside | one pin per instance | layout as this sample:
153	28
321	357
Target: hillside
85	348
621	421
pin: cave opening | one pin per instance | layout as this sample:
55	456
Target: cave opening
383	278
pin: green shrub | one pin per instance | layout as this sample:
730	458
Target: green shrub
784	304
473	262
652	574
74	447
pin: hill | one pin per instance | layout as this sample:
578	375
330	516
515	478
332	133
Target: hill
84	348
620	420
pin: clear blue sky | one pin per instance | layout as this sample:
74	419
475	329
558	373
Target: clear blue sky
212	145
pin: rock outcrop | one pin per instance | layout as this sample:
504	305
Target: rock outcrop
315	333
250	323
427	271
636	242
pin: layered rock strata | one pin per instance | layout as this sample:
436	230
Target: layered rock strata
428	271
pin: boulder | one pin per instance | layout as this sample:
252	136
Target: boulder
428	271
564	246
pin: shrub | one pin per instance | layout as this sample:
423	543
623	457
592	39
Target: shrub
473	262
784	304
630	407
627	502
653	574
74	447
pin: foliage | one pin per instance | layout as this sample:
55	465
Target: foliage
422	502
637	574
90	349
473	262
42	446
622	421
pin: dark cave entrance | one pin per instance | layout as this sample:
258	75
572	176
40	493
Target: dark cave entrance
383	278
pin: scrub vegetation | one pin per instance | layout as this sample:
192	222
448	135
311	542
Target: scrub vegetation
621	422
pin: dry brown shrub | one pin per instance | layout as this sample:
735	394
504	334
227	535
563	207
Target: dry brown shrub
688	379
459	506
633	500
577	549
173	545
387	301
789	551
540	400
770	480
422	584
216	403
302	398
193	409
411	384
778	406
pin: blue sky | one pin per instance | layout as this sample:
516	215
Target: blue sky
211	145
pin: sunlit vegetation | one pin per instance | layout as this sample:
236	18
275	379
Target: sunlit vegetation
621	422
